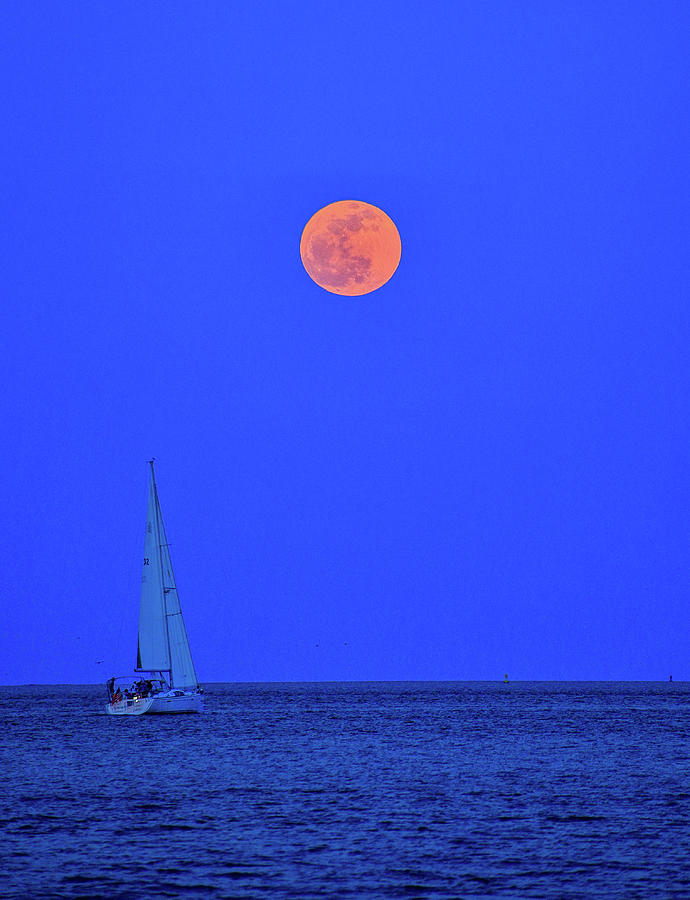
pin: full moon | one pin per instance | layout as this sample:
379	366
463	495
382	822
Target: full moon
350	247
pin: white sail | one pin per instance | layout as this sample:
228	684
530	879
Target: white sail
182	674
163	643
152	652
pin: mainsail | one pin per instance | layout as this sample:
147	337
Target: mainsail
163	644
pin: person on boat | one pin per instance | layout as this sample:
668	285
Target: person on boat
117	696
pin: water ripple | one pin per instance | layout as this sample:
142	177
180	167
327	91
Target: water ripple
360	790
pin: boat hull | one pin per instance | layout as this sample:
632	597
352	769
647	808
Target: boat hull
171	703
129	707
174	702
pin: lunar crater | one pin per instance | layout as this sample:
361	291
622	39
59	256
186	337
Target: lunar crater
350	253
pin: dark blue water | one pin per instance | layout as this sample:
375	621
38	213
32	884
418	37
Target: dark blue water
350	790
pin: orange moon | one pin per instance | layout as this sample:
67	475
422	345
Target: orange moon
350	247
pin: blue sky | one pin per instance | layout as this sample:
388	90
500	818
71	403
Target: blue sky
480	468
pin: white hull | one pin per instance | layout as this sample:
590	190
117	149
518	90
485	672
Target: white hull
169	703
172	702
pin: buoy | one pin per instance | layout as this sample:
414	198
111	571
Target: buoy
505	678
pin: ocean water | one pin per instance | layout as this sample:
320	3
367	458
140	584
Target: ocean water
371	790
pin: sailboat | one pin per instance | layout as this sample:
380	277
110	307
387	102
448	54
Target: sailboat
165	680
